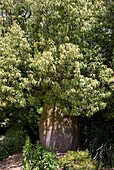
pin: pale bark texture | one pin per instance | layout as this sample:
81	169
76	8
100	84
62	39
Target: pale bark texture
58	131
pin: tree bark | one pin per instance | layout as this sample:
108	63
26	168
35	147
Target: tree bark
57	130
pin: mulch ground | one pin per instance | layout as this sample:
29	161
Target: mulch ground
13	162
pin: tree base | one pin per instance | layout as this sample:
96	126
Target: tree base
58	131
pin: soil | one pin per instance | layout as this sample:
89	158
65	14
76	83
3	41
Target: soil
13	162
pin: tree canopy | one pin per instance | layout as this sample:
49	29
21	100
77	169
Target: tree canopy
57	52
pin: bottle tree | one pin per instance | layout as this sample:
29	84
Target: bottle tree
63	65
70	66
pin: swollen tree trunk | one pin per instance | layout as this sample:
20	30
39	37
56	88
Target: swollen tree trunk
58	131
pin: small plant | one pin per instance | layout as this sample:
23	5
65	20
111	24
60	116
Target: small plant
38	158
27	156
79	160
49	160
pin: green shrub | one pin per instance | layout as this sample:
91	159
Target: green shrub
14	138
38	158
13	141
79	160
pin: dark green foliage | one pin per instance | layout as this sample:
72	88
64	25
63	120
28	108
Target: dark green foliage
14	138
79	160
38	158
13	141
4	152
27	118
101	142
